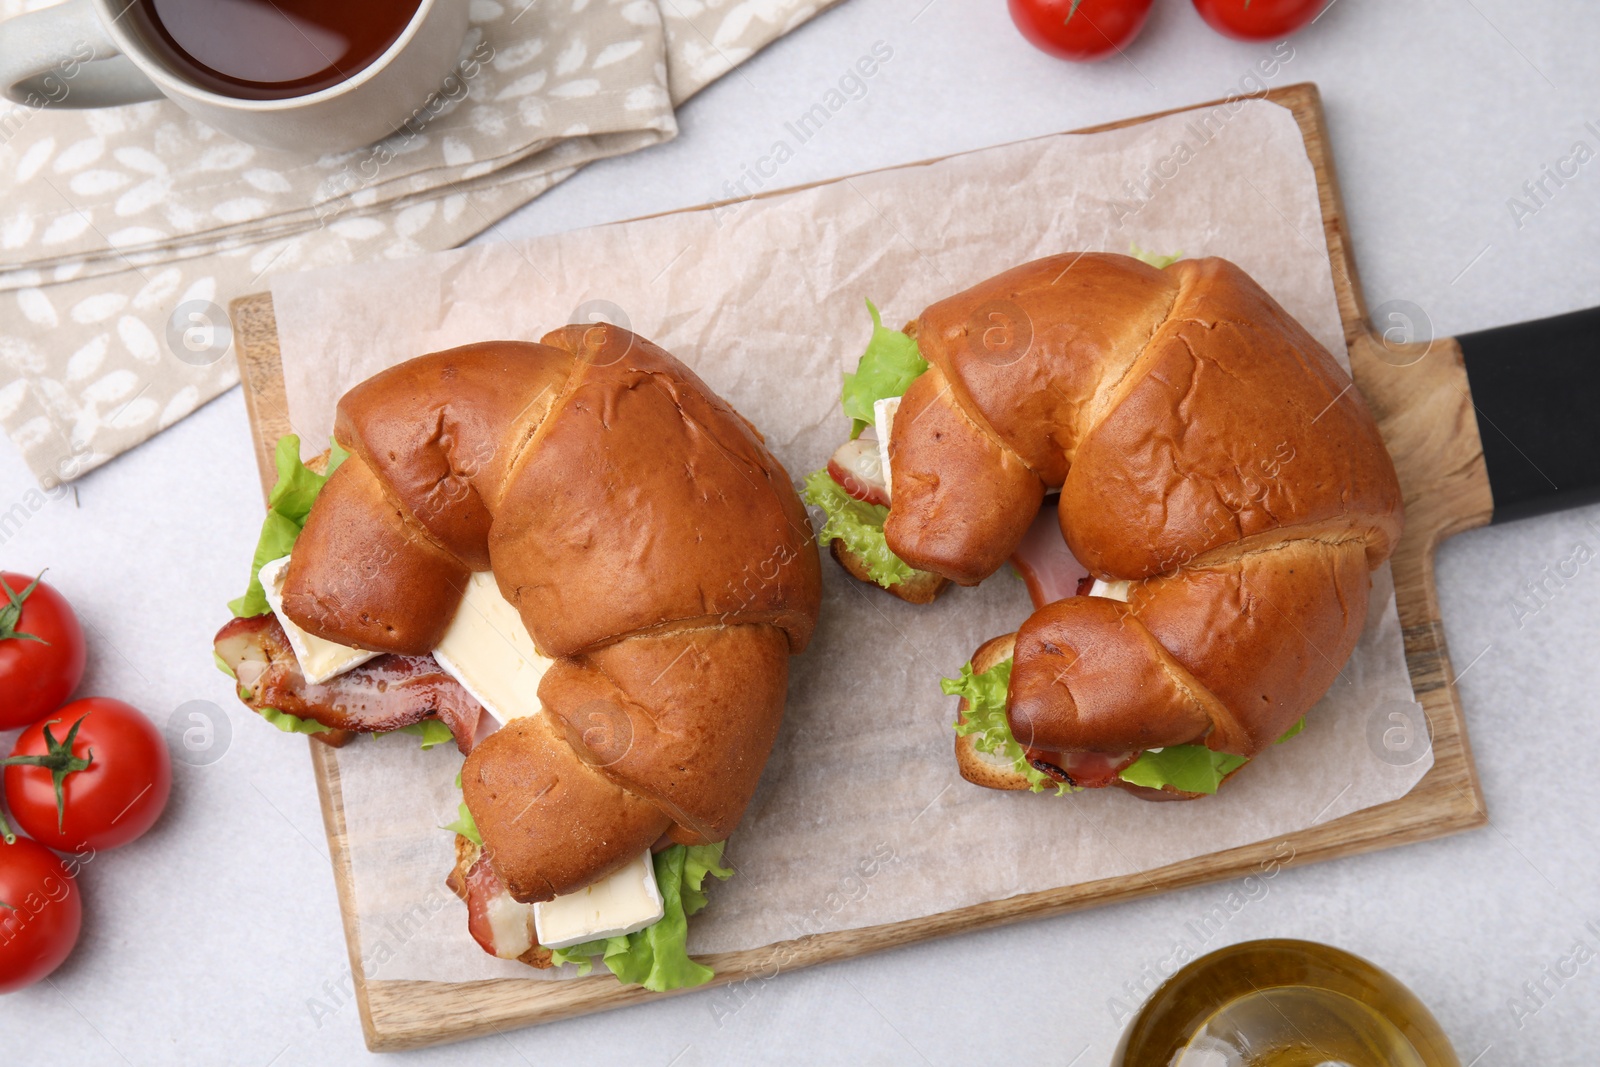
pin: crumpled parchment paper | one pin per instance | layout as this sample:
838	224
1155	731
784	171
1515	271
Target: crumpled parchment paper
861	817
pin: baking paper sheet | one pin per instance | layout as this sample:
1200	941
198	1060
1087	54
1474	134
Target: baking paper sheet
861	817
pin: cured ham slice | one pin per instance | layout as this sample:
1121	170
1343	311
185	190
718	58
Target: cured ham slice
858	468
1045	562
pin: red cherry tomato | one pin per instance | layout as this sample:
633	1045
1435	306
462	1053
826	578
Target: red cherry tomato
110	765
1079	29
40	913
41	650
1258	20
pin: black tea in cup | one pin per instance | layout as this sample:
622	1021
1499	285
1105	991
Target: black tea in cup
268	49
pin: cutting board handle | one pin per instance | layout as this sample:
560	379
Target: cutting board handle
1536	390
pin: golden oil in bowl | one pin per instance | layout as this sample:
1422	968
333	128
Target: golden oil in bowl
1283	1003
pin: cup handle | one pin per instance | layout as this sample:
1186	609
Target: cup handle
37	70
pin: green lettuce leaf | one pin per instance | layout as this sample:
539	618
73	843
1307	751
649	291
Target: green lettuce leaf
1159	262
887	368
336	456
1191	768
1292	731
287	508
859	525
432	731
986	717
656	957
465	824
583	955
293	724
699	861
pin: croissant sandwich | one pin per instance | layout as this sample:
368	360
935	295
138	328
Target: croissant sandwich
581	539
1190	485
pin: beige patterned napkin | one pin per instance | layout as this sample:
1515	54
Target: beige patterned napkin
125	231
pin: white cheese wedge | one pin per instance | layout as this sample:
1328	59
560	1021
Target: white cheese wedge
1111	590
620	904
320	659
883	413
510	923
490	652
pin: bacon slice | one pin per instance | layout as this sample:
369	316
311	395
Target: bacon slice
1088	770
380	695
474	880
462	713
1045	562
483	890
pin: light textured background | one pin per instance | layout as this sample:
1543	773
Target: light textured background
203	942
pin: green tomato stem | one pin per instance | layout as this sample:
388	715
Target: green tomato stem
59	761
11	614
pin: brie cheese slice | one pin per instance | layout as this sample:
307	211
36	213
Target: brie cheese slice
320	659
490	652
620	904
883	413
1118	590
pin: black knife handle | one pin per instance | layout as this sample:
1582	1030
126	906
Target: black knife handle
1536	388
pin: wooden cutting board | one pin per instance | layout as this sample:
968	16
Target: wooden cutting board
1426	414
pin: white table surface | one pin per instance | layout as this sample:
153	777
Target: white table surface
214	939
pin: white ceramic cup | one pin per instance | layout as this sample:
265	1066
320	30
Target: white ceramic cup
81	54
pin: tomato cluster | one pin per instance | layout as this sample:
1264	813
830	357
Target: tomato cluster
1093	29
83	776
